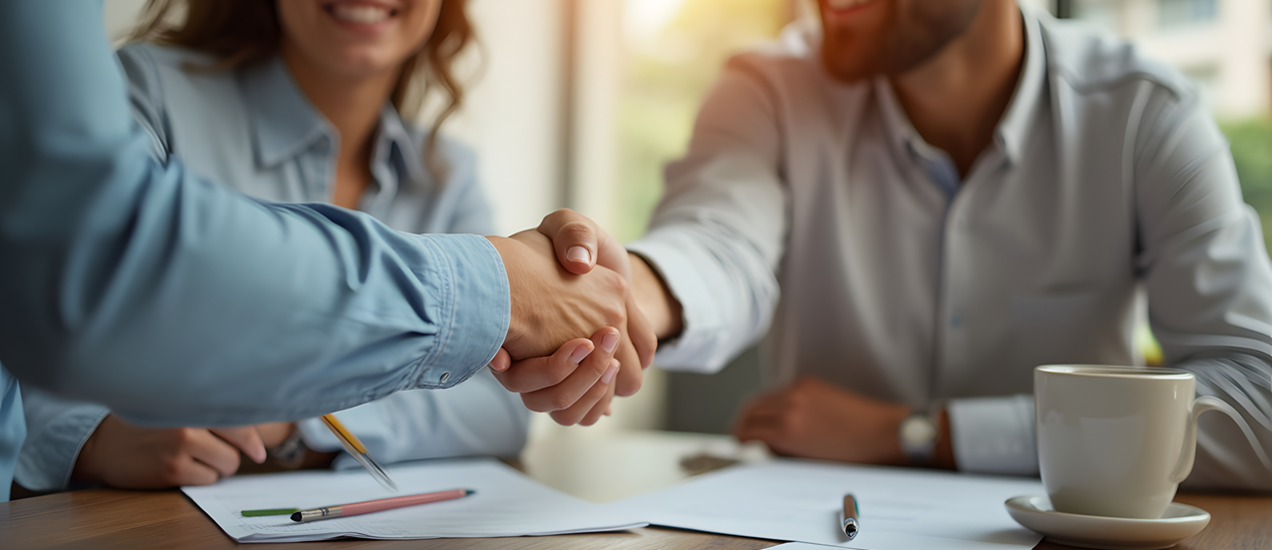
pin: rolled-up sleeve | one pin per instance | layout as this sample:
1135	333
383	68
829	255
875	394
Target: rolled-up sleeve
717	235
175	301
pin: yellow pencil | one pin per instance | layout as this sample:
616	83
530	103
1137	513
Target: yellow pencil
358	451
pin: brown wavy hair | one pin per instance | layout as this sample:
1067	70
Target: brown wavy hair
240	32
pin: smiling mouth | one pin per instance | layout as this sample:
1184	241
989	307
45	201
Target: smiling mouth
847	5
364	14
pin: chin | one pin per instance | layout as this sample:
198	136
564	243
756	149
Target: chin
849	68
362	63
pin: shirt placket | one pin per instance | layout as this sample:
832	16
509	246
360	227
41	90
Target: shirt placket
952	312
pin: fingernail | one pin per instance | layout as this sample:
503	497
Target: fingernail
578	254
579	353
609	342
609	374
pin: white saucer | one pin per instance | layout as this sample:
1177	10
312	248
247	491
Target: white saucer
1179	522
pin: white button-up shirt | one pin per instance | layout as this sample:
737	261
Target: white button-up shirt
812	210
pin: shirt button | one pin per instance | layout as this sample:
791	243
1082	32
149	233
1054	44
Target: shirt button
445	375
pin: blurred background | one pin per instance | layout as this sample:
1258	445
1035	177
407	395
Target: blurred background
579	103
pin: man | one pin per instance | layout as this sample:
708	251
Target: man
948	193
175	301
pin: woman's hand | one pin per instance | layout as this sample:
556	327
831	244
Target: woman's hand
121	455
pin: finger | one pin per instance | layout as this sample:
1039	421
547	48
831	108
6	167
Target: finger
574	414
537	373
189	471
501	362
595	367
763	428
574	237
593	416
213	451
641	332
630	376
582	244
246	439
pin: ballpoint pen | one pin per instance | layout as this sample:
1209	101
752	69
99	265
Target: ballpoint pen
851	513
358	451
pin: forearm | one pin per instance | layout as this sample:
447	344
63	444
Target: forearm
174	300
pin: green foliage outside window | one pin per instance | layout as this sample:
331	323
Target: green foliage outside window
1251	143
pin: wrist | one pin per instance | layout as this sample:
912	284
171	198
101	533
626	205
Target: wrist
655	300
85	469
503	246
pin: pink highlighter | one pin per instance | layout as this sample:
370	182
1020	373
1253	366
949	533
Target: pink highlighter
359	508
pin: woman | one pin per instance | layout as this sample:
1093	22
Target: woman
296	101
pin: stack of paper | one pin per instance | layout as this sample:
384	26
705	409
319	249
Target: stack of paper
507	504
901	508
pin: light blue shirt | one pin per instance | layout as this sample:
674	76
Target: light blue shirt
811	210
174	300
254	129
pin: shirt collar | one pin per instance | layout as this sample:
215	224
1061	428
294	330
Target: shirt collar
284	122
396	146
1013	127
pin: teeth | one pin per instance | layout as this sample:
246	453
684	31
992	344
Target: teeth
845	4
360	13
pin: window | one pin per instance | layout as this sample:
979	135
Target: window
1179	13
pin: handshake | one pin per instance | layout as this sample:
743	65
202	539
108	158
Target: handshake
569	279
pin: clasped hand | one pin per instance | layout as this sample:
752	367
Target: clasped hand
558	295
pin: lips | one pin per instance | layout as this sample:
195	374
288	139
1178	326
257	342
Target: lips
847	5
361	13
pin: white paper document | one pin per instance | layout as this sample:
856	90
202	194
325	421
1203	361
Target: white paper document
801	501
506	504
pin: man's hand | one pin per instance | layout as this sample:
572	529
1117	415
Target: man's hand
128	457
814	419
574	384
581	244
547	309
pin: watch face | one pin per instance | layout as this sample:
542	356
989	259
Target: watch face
917	430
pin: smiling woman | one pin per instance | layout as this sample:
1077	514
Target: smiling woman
415	43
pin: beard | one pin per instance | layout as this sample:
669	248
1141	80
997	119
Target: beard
908	34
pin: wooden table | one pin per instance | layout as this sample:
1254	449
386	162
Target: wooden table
597	467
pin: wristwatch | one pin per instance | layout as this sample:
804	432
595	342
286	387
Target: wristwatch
918	433
291	452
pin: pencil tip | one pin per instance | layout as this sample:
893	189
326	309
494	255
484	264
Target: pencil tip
296	516
469	492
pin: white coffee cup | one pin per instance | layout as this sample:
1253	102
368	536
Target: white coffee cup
1116	441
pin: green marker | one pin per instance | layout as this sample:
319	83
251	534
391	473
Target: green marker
269	512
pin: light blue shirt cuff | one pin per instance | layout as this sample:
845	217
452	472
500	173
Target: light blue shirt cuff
994	435
51	448
478	312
